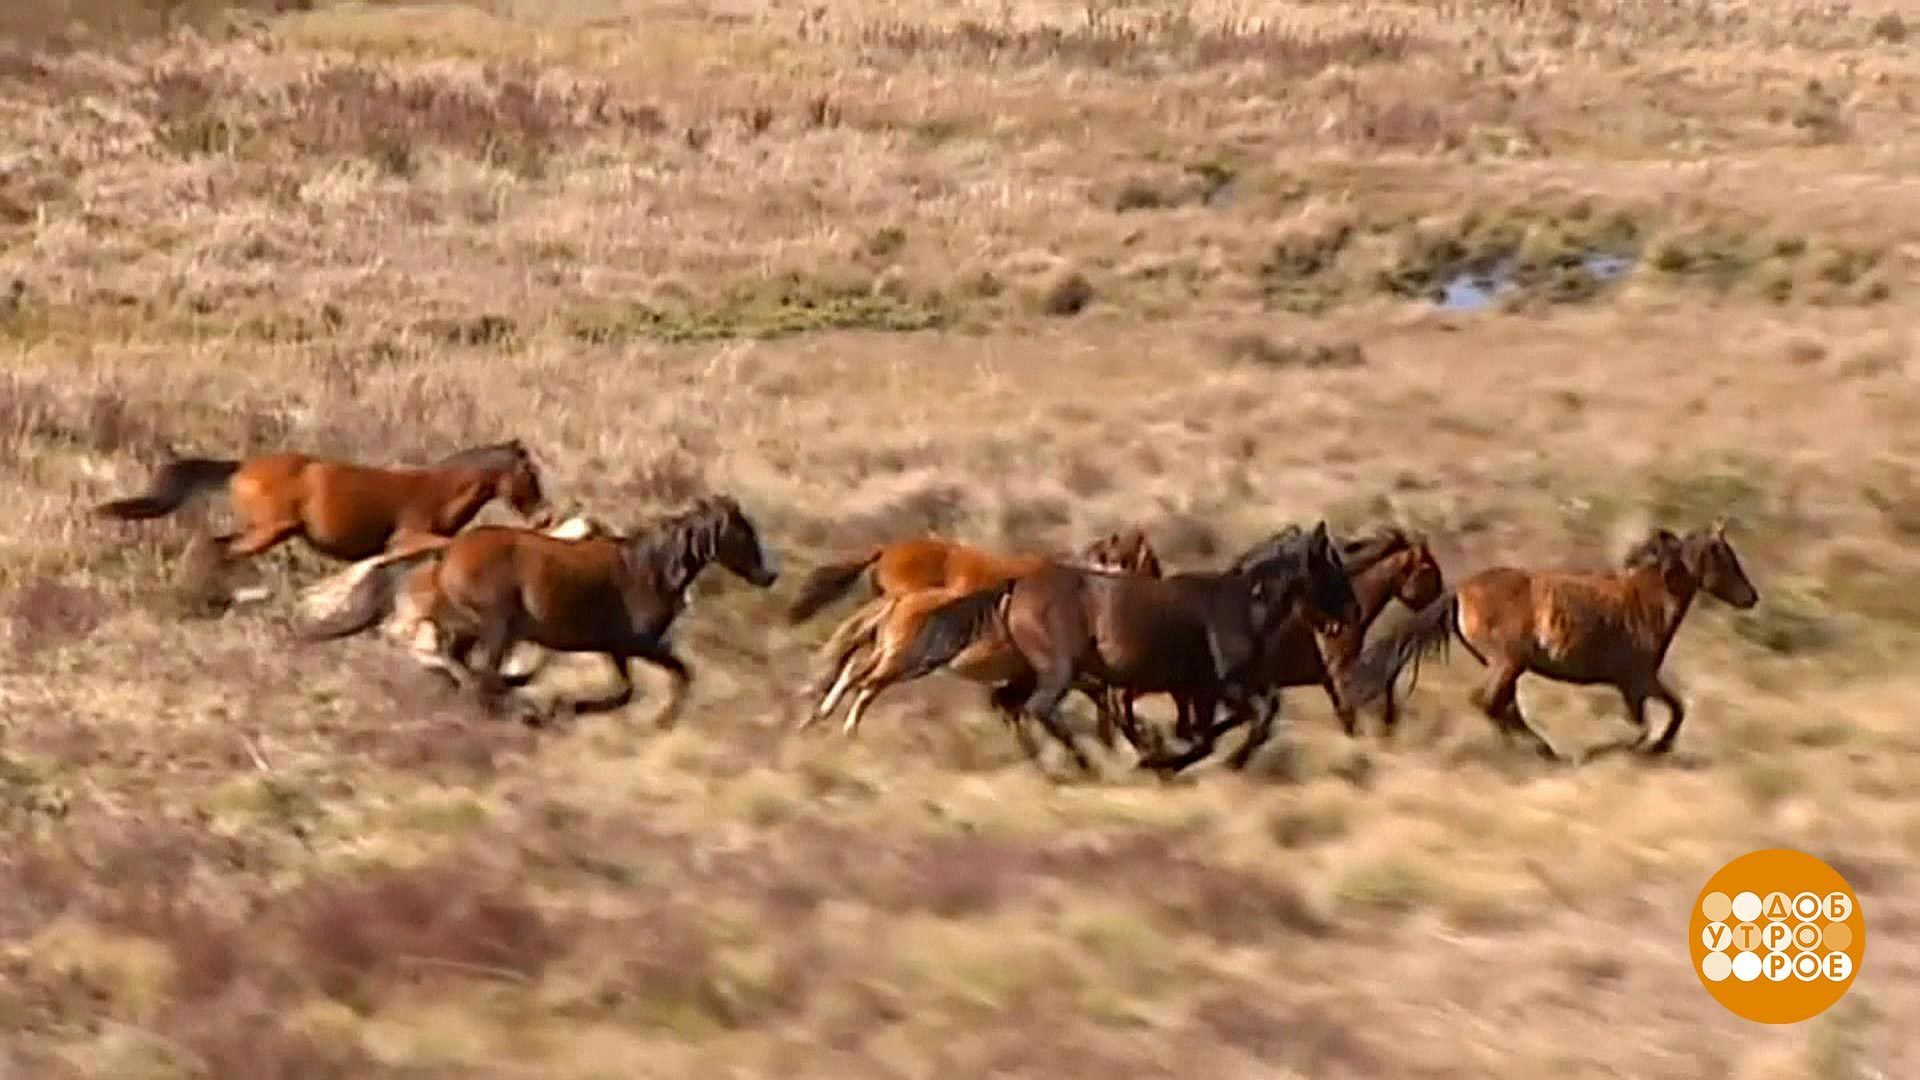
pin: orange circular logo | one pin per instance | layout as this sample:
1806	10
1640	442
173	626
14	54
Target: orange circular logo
1778	936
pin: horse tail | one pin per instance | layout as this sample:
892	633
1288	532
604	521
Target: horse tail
372	596
175	482
1378	665
826	584
946	631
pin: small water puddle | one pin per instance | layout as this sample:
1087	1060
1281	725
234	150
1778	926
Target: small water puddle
1474	290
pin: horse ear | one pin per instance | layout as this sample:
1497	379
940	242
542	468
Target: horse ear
1720	527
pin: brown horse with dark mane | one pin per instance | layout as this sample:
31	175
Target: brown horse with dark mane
1192	635
905	566
344	510
494	586
1582	628
1388	565
865	650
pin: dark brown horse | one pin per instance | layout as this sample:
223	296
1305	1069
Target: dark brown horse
1192	635
1388	565
618	596
905	566
866	649
343	510
1583	628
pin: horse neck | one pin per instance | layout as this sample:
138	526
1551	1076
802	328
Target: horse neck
1375	585
459	495
1649	590
675	557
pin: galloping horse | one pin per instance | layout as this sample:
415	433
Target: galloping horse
1386	566
904	566
1582	628
866	647
409	624
492	587
1192	635
344	510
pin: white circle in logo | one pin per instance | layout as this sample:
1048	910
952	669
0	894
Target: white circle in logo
1806	906
1806	966
1746	907
1746	966
1837	966
1716	966
1839	907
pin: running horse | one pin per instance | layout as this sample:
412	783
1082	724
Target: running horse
1192	635
410	625
905	566
342	509
492	587
864	649
1608	628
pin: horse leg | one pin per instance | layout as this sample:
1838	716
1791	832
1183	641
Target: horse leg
1109	705
616	700
1006	699
447	656
1678	716
1349	720
1202	737
493	641
258	539
661	655
864	665
1264	709
1044	704
1502	704
1130	727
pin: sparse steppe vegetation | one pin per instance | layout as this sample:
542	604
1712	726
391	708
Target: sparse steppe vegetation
1015	271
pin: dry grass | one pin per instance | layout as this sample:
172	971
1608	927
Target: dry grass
1019	272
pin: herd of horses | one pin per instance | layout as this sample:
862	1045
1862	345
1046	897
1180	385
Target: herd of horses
1109	622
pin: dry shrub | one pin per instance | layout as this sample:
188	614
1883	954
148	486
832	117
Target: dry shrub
1062	291
1150	46
447	920
668	477
506	118
1253	347
1308	1039
103	421
59	25
49	614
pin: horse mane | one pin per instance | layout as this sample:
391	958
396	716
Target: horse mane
1656	549
1266	549
492	456
1361	553
677	541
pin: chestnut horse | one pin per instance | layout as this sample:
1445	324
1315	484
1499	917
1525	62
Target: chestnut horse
904	566
866	647
343	510
1192	635
1582	628
409	624
494	586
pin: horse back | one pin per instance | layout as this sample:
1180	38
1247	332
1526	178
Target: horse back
932	562
566	587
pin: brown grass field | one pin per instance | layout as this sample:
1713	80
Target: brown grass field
1018	272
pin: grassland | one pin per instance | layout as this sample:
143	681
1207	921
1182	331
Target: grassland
1018	272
